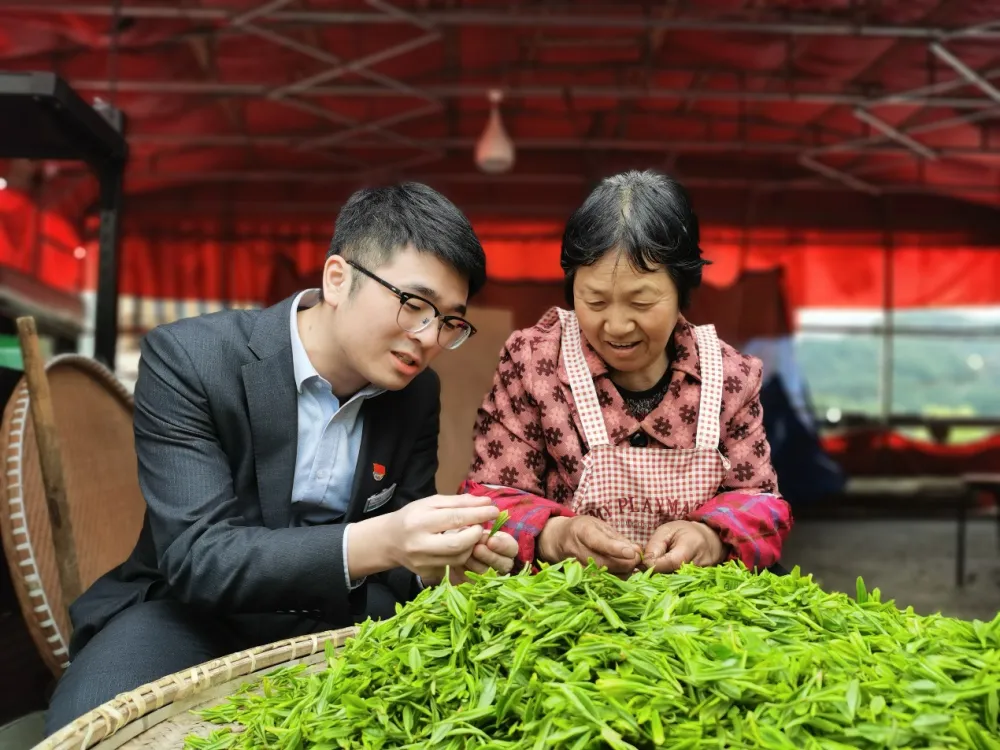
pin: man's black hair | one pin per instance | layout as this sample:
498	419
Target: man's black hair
375	223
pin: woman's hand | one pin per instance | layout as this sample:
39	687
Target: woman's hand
586	537
678	542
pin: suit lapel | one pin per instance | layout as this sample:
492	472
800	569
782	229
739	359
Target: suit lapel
272	403
378	448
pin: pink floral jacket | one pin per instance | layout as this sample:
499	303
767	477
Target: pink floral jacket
528	437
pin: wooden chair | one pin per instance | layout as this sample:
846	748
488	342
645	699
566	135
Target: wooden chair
70	504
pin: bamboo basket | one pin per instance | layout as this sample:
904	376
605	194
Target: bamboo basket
93	413
160	714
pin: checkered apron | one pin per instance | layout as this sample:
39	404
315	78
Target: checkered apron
637	490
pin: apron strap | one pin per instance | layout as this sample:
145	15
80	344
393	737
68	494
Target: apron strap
581	382
709	410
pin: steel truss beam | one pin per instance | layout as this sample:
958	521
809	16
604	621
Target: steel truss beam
894	134
478	91
292	176
534	20
904	135
965	71
544	144
280	94
431	23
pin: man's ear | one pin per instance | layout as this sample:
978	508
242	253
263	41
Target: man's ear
336	280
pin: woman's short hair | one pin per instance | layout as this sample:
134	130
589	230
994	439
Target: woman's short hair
645	216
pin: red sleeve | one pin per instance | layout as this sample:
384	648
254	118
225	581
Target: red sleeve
753	527
749	514
528	514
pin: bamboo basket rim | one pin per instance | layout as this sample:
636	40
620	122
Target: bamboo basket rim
104	721
32	591
98	370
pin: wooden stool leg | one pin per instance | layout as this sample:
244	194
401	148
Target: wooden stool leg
50	460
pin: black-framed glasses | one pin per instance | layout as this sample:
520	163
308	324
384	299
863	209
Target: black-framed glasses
416	314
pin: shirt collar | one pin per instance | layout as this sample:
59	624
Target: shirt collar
304	369
302	365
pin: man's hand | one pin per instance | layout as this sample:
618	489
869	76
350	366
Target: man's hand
586	537
424	536
497	552
678	542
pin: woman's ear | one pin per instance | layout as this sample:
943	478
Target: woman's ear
336	280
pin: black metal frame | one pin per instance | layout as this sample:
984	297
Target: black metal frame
42	117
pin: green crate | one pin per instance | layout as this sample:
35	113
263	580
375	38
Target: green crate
10	353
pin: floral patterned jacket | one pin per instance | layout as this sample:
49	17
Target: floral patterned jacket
528	437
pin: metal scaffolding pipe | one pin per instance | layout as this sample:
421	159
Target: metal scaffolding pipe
964	70
842	177
895	134
261	10
534	20
478	91
358	66
325	57
540	144
928	127
353	66
459	178
377	125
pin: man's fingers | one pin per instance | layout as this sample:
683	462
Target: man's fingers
448	519
475	565
503	544
483	555
450	549
458	576
457	501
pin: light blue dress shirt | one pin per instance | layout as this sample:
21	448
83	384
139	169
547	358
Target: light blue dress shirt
329	438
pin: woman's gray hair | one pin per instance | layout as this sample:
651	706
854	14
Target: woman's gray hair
645	216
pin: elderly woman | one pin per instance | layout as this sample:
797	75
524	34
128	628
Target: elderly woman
617	430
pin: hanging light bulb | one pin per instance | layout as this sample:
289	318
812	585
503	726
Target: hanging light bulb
495	150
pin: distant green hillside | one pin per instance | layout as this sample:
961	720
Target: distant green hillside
940	374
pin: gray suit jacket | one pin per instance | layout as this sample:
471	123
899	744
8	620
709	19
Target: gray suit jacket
216	433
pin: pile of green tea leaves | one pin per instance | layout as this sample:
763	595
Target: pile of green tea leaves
573	657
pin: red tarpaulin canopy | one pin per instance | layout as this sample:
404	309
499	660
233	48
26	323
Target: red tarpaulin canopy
822	269
198	260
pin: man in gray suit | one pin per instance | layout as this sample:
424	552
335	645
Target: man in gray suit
287	459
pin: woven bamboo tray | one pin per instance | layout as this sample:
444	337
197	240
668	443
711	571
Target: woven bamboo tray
159	715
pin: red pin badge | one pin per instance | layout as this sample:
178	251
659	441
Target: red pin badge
378	471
